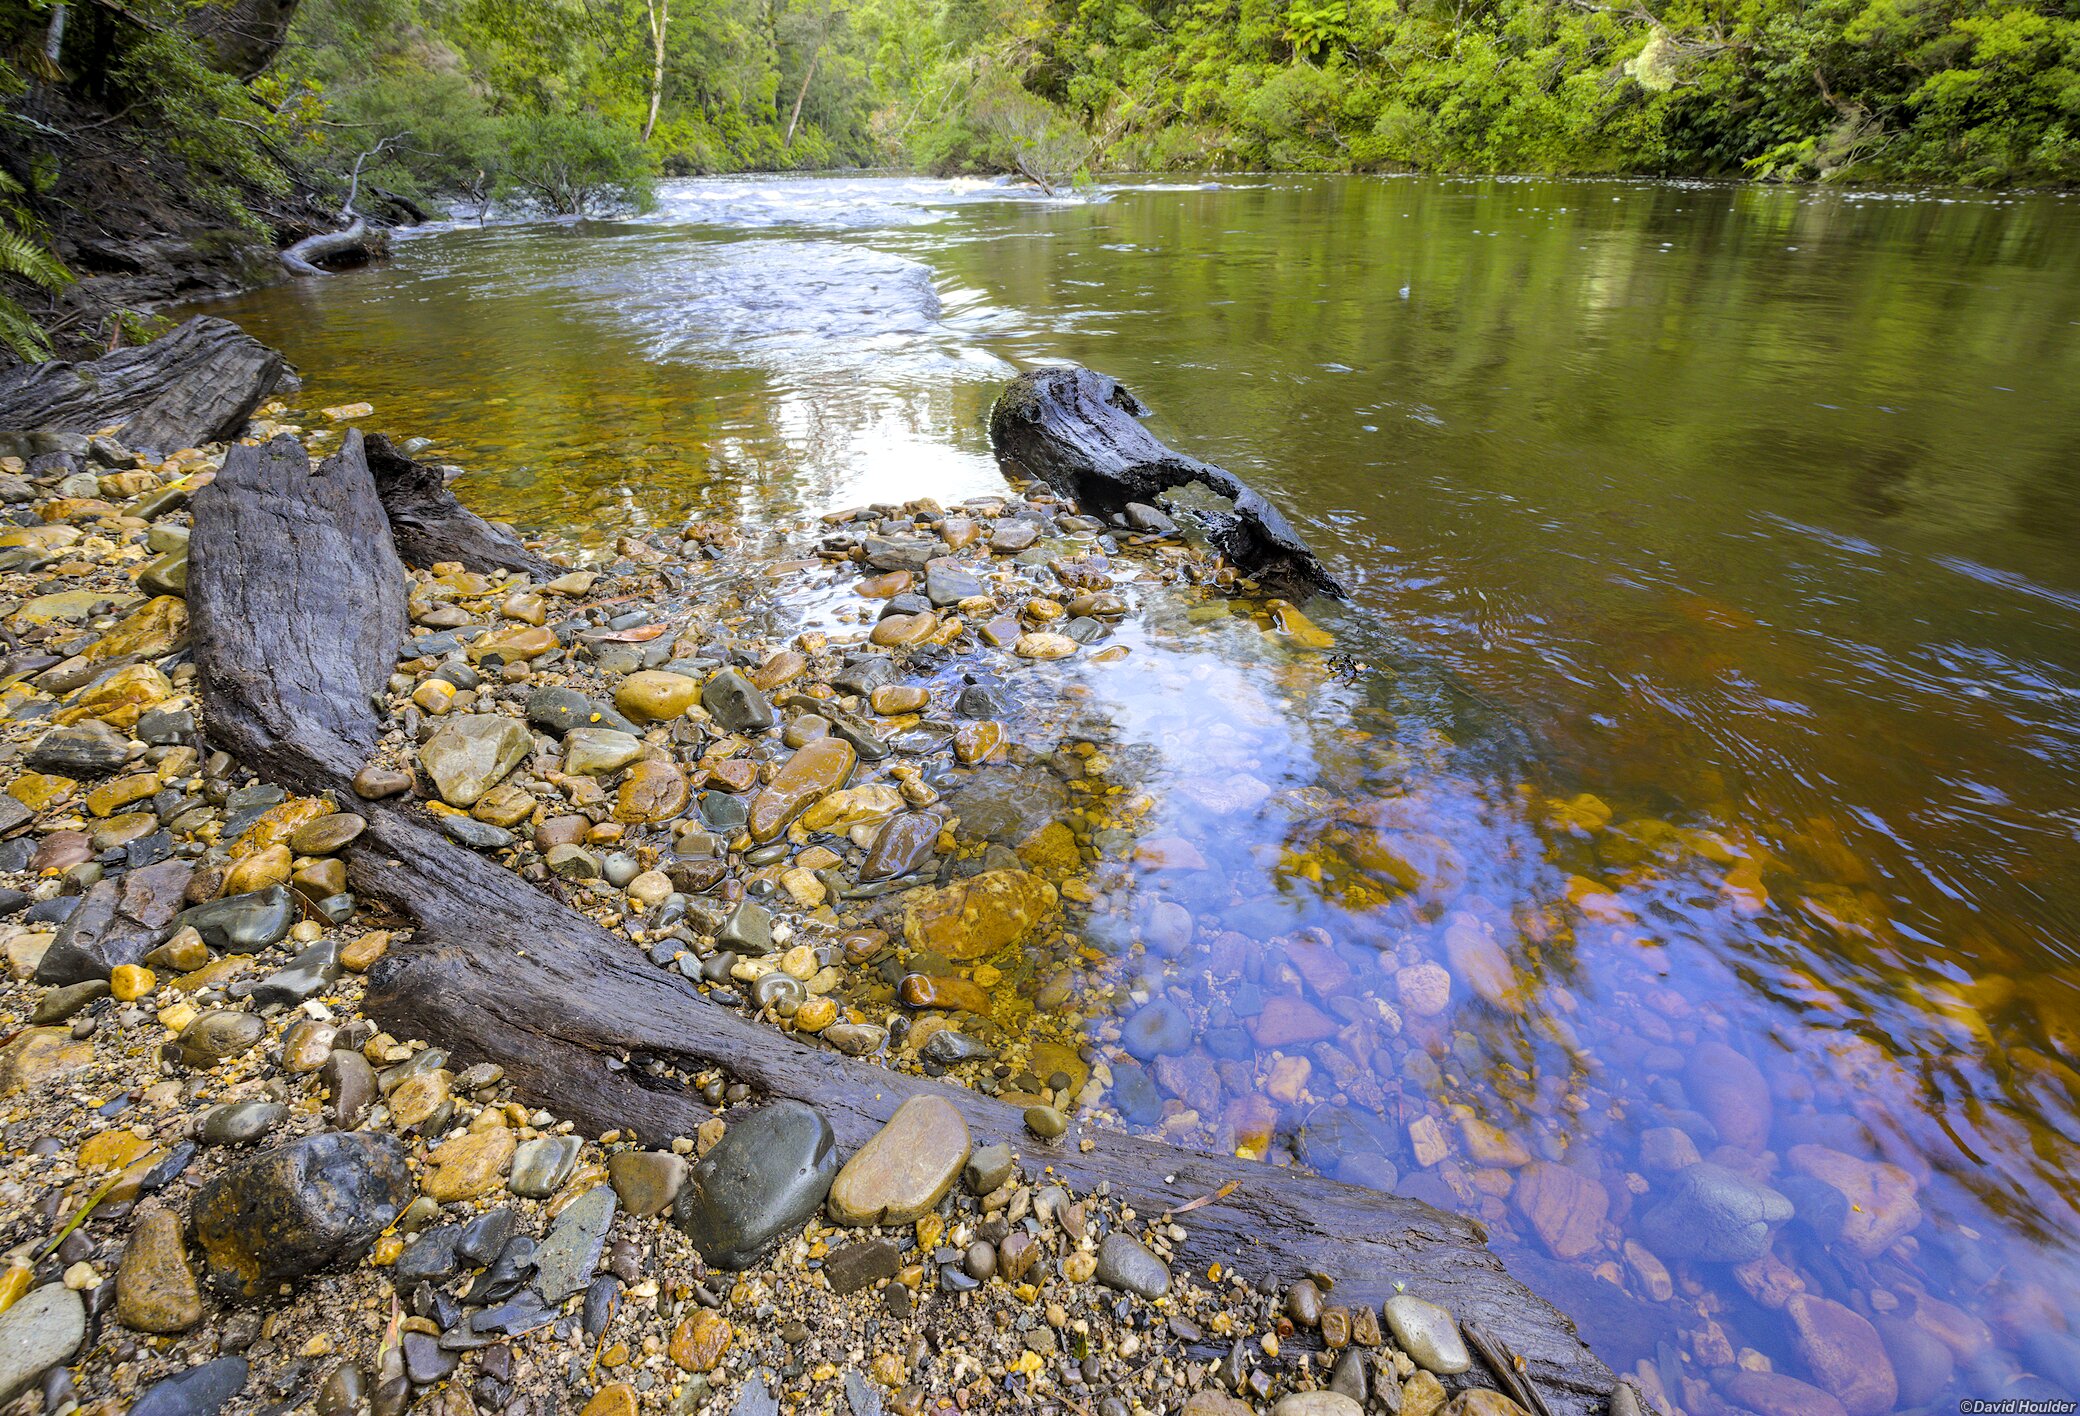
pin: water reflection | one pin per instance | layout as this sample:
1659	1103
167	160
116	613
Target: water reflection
1699	859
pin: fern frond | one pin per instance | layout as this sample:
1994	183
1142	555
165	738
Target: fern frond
21	334
31	261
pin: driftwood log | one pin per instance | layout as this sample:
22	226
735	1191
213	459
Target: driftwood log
355	244
1076	430
430	525
196	385
296	622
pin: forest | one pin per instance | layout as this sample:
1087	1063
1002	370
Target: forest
578	106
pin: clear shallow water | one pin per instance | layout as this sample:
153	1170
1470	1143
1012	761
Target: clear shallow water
1717	552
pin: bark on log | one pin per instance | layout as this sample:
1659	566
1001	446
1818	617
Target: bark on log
283	558
1075	430
430	525
196	385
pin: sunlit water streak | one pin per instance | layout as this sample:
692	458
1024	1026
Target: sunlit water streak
1752	514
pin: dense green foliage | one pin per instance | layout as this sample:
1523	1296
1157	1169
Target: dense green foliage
575	106
1982	91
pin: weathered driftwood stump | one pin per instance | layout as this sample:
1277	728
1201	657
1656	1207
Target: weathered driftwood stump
196	385
298	612
430	525
1077	431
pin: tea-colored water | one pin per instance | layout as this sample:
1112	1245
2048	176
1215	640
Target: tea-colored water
1715	557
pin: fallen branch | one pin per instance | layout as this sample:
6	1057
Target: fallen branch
298	607
303	257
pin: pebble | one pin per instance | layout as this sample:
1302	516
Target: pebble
40	1331
1427	1333
569	1255
1317	1403
905	1168
199	1391
472	753
1711	1213
770	1172
1125	1263
542	1165
647	1182
319	1200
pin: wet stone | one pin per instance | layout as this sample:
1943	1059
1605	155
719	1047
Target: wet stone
88	749
905	1168
854	1266
769	1173
40	1331
1126	1264
748	930
569	1255
1158	1029
812	773
1709	1212
735	703
315	1201
242	924
647	1182
1427	1333
988	1168
241	1123
199	1391
542	1165
472	753
219	1034
155	1289
308	974
558	711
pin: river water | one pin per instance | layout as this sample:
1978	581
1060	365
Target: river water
1714	662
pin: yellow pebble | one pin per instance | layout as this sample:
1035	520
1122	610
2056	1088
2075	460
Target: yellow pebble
130	982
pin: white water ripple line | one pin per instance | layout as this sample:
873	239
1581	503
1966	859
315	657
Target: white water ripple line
794	307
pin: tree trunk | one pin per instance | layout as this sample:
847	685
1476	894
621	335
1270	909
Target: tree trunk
660	13
298	608
795	117
1077	431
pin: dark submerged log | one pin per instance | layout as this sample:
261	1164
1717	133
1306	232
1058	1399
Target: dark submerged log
1075	430
498	971
196	385
430	525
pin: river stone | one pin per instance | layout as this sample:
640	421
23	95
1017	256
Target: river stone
472	753
1709	1212
40	1331
557	711
595	752
906	843
748	930
1730	1090
310	973
1318	1403
218	1034
972	918
1777	1395
1158	1029
988	1168
1125	1263
768	1174
289	1211
199	1391
116	922
1427	1333
240	1123
569	1254
155	1289
541	1165
40	1057
905	1168
735	704
948	584
1564	1206
646	1181
1881	1199
1844	1354
88	749
815	771
242	924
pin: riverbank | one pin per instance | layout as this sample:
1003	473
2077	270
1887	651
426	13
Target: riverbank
202	963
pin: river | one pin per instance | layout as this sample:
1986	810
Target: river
1714	653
